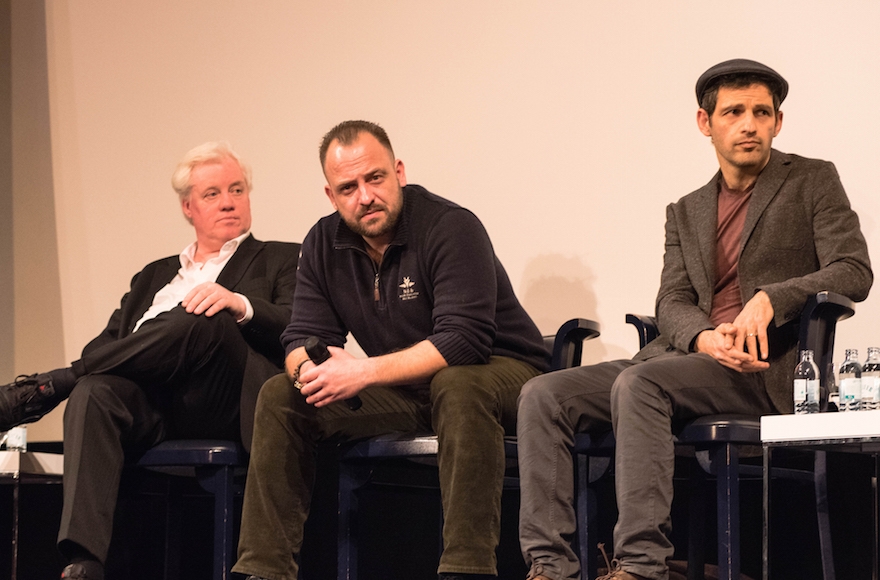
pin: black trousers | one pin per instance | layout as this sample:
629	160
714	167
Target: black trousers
178	377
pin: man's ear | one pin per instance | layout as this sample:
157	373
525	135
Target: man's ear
400	170
184	206
704	122
778	123
329	193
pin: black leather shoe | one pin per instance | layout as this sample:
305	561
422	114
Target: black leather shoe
80	571
74	572
25	400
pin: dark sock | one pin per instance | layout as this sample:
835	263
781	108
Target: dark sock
63	381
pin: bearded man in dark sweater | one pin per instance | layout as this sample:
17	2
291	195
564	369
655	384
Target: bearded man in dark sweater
413	277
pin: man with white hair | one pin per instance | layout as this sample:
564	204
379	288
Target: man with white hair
182	357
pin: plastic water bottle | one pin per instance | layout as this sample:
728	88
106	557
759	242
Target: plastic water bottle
16	439
806	385
871	380
850	382
830	396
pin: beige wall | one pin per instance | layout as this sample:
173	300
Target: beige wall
7	303
567	126
38	317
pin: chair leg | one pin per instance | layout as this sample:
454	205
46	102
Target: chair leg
586	510
727	465
351	478
765	501
876	502
822	518
696	524
172	529
219	481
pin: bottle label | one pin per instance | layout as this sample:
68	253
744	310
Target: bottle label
870	388
800	391
813	391
850	390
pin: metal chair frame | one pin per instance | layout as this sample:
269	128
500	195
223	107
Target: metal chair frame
214	464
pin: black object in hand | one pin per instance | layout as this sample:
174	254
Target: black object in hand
318	353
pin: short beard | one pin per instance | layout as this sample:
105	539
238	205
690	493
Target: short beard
367	232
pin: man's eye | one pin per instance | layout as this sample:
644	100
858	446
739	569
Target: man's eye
237	190
210	194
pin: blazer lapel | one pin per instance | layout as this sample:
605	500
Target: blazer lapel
164	274
149	282
239	262
705	217
769	183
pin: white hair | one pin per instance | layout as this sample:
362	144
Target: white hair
210	152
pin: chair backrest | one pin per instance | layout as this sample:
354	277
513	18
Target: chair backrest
646	326
819	324
567	346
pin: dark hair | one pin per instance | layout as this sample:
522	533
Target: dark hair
347	133
740	81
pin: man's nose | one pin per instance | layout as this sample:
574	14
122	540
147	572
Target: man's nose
227	200
365	195
748	122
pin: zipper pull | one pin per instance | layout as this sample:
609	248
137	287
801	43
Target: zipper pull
376	288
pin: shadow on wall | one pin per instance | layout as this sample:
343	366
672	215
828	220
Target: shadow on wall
558	288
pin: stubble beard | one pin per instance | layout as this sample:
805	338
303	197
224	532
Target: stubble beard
376	230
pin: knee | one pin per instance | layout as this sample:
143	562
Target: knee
213	329
537	399
633	389
460	388
202	332
275	393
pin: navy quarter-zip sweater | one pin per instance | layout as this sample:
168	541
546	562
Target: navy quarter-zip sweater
439	280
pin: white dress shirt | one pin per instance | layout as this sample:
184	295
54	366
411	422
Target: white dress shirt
190	275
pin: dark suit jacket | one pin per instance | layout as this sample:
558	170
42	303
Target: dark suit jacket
265	272
800	237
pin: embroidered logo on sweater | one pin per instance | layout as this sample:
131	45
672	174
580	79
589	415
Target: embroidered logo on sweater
407	292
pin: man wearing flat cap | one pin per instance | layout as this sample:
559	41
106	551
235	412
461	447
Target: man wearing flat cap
743	253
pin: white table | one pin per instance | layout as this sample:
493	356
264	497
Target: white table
850	432
28	467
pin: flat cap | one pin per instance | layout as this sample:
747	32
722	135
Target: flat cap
740	66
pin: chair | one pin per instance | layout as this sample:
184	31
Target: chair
357	461
718	438
214	464
592	460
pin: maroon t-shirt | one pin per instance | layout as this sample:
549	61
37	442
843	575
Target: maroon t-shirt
732	208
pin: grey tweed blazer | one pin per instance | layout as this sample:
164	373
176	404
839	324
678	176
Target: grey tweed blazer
800	237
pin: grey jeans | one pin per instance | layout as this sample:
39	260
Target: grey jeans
644	403
470	408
